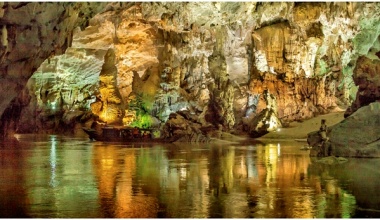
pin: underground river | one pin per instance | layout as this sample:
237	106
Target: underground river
52	176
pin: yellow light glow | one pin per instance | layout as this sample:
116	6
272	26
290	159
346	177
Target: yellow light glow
106	116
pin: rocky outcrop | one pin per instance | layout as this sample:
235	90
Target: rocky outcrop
366	77
288	68
184	128
267	120
356	136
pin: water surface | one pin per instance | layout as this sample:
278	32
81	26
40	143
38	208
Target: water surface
65	177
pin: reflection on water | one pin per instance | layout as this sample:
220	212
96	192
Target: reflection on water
56	176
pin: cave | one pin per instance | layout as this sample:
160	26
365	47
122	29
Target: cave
202	71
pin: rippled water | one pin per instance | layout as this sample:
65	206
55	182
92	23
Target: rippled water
63	177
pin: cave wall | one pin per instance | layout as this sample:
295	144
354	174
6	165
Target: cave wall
219	60
30	33
58	97
366	77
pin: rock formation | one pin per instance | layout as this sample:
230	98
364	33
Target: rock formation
109	105
366	77
59	98
357	136
236	66
31	32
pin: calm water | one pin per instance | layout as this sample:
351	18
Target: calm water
62	177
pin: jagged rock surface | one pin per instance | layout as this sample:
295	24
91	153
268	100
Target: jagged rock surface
56	93
220	58
109	105
184	128
30	33
366	77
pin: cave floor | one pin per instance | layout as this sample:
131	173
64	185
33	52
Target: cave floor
299	130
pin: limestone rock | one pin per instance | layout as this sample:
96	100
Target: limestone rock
366	77
356	136
56	90
184	130
264	123
112	105
32	32
222	56
267	120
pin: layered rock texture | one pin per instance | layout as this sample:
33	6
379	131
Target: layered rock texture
31	33
59	98
223	66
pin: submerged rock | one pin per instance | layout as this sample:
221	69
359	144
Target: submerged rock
332	160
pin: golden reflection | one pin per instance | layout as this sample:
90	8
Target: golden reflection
263	181
221	166
283	173
199	178
240	169
171	181
179	177
115	169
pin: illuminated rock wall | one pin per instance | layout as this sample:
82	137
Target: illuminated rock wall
59	95
224	56
30	33
109	105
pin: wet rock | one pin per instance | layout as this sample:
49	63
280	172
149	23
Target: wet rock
183	130
70	118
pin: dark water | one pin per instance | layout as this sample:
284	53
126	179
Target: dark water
62	177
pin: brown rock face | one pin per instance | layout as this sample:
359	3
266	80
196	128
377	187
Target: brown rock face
109	106
299	91
366	77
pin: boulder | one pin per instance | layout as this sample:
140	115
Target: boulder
183	130
264	123
267	120
356	136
